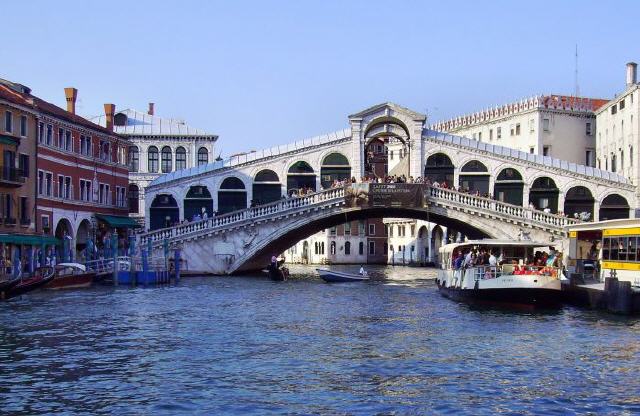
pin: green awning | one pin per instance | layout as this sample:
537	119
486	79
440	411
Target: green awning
118	221
8	140
28	240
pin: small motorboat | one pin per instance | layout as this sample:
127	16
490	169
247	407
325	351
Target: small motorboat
71	276
331	276
6	285
41	277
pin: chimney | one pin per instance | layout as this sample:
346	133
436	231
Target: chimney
71	94
151	109
109	111
632	73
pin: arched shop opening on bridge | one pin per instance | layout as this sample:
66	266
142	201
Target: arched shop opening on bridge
543	194
335	167
474	176
614	207
580	201
439	168
163	212
300	175
266	187
83	236
232	195
509	187
198	201
64	234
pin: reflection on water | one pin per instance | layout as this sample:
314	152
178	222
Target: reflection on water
248	345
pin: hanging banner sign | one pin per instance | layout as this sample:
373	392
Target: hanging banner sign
385	195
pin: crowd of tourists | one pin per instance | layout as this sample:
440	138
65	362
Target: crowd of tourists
542	263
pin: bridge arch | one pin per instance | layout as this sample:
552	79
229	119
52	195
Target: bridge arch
164	211
197	201
232	195
474	176
509	186
334	166
578	200
439	167
614	206
544	193
283	237
266	187
300	174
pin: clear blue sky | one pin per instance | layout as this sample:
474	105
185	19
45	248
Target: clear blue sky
267	72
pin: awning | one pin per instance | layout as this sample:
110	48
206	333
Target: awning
28	240
8	140
118	221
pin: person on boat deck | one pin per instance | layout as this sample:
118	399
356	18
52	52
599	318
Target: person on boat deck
363	272
457	264
492	259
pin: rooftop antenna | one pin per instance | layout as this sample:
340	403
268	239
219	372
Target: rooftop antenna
577	87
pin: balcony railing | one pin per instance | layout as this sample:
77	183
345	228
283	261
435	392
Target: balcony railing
11	175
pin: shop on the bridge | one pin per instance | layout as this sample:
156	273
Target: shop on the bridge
543	194
335	167
198	202
163	212
266	187
439	168
300	176
232	195
614	207
509	187
474	176
579	202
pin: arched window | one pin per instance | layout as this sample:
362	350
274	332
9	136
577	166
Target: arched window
152	158
579	203
134	159
474	177
134	200
439	168
266	187
614	207
300	175
361	248
347	248
232	195
333	247
509	186
543	194
203	156
181	158
166	159
335	167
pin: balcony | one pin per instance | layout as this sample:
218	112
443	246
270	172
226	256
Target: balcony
11	177
9	221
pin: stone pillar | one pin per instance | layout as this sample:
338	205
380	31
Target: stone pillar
596	210
416	161
357	148
561	197
525	195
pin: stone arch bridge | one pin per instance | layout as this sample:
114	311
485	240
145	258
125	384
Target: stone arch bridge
524	191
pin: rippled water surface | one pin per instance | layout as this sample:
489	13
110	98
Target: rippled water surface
237	345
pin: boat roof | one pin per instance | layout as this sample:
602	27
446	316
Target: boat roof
494	243
601	225
72	265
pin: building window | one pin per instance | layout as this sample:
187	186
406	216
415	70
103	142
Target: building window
588	129
614	109
347	228
60	137
152	156
480	135
333	248
391	227
588	157
532	125
23	126
45	223
134	195
48	181
49	137
24	210
545	124
622	161
203	156
413	231
361	248
181	158
372	229
545	151
361	228
517	129
613	162
134	159
391	155
499	132
333	231
8	122
631	156
60	186
23	165
474	136
40	182
372	248
167	157
347	248
490	134
68	194
68	143
532	150
105	151
621	105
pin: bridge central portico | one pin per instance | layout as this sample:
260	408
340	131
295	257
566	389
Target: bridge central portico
504	190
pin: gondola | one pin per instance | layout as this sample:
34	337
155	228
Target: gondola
335	277
6	285
41	277
277	274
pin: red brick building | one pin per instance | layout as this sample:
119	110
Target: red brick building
82	178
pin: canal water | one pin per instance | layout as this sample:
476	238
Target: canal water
242	345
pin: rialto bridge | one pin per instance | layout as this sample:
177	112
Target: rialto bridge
251	216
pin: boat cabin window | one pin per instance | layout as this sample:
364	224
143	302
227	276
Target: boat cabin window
620	248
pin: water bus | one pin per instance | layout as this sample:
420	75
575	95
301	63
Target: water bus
519	273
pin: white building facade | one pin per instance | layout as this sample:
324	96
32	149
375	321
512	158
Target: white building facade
160	146
558	126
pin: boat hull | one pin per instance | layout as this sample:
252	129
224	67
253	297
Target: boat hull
47	274
540	297
71	282
338	277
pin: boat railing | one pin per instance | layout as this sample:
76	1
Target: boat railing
492	272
